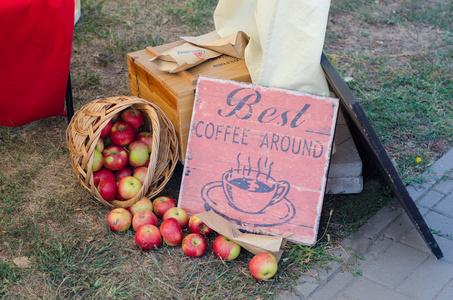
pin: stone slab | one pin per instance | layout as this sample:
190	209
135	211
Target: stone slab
369	290
430	199
393	266
427	280
445	206
345	162
444	186
330	289
442	224
344	185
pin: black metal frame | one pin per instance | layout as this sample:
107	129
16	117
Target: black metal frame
68	98
367	137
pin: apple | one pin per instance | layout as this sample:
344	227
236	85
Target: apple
132	116
171	232
225	249
107	141
117	117
145	137
108	188
146	164
162	204
143	217
179	214
122	133
263	266
197	226
140	205
98	161
140	173
148	237
138	153
194	245
102	173
119	219
120	174
106	130
115	157
128	187
100	145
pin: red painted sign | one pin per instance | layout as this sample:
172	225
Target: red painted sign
259	157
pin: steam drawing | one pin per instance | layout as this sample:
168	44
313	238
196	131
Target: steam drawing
244	191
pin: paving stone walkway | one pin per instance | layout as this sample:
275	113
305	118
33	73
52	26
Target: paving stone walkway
397	263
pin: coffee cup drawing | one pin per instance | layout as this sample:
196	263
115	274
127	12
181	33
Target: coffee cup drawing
252	192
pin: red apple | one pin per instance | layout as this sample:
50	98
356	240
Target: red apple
146	164
115	157
100	145
122	133
143	217
108	188
128	187
140	173
120	174
197	226
148	237
179	214
117	117
194	245
225	249
98	161
102	173
263	266
119	219
106	130
145	137
140	205
162	204
132	116
171	232
138	153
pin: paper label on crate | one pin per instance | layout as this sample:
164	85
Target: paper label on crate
232	45
259	157
183	57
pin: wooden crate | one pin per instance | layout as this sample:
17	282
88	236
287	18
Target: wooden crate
174	93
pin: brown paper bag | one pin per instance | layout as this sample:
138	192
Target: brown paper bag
199	49
254	243
182	57
232	45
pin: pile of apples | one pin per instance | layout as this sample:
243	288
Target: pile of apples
144	217
121	156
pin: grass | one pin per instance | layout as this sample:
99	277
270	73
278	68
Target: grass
398	58
409	109
407	98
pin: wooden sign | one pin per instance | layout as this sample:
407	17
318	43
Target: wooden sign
259	157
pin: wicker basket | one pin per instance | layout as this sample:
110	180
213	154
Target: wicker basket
84	130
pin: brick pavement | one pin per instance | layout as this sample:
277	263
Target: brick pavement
397	263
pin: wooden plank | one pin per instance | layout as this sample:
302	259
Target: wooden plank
259	157
364	131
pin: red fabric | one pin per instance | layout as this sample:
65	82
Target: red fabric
35	52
